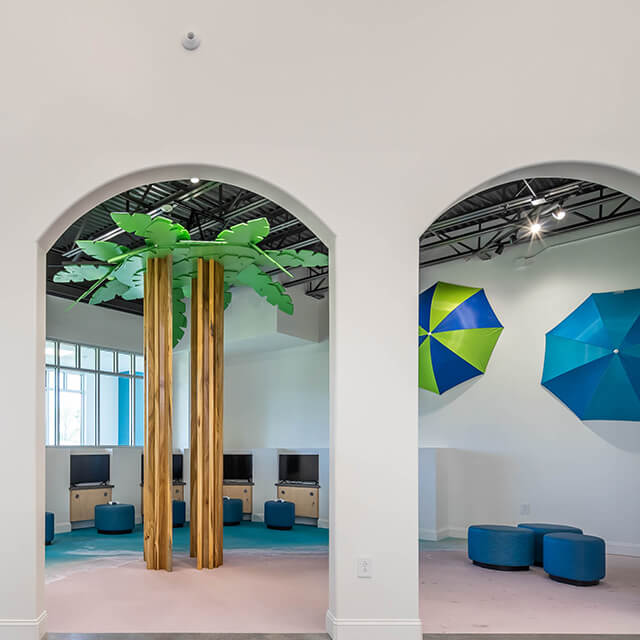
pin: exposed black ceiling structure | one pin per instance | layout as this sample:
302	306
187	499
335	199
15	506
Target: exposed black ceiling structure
486	223
479	226
205	208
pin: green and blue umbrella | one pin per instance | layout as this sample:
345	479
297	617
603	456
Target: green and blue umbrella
457	331
592	358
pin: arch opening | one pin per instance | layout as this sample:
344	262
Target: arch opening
270	358
501	440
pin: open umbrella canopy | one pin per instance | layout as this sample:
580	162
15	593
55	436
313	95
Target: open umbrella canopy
592	358
457	331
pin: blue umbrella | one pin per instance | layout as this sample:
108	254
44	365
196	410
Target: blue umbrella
457	331
592	358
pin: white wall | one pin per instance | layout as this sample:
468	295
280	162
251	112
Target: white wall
514	442
93	325
277	398
366	163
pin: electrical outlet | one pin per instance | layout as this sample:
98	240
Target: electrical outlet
364	568
525	509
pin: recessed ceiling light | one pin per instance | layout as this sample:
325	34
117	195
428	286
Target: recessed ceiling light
194	180
559	214
535	228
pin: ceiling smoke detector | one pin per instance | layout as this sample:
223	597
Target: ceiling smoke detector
190	41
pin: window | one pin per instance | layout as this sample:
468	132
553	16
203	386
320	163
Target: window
93	396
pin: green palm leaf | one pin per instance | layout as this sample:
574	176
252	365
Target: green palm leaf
81	273
101	250
292	258
179	316
250	232
157	231
264	285
108	292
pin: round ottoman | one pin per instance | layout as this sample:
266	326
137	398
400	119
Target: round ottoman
540	530
49	527
499	547
179	513
279	514
574	559
115	518
231	511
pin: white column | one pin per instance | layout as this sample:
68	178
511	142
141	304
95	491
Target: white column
22	615
374	437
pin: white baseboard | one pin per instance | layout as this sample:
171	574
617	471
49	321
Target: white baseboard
433	535
12	629
373	628
623	549
457	532
63	527
257	517
323	523
138	520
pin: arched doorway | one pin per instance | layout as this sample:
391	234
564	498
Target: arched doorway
499	448
235	204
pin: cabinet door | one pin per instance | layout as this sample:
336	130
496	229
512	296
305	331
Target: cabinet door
83	502
243	492
305	499
307	502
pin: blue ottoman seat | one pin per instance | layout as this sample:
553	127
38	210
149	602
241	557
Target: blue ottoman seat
179	513
279	514
499	547
575	559
540	530
115	518
232	511
49	527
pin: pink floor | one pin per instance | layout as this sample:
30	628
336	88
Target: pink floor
256	592
457	597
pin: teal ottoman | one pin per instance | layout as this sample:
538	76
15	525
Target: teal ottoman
279	514
540	530
494	546
231	511
49	527
115	518
574	559
179	513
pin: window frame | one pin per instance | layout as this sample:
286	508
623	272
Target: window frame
97	372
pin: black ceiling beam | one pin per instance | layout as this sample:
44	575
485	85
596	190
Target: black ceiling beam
547	234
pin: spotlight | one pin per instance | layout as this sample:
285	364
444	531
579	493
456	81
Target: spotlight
536	202
559	214
535	228
194	180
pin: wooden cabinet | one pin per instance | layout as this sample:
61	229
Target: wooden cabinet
305	499
82	502
177	493
242	491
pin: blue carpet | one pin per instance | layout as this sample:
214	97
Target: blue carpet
88	543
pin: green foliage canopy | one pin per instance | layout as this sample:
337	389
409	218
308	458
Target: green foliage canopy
121	272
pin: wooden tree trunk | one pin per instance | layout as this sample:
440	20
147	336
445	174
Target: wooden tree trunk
207	358
158	354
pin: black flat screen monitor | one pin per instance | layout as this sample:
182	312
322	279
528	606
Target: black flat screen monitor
238	466
177	467
298	467
89	469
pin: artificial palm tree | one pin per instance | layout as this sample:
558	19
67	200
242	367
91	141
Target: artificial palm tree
233	259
